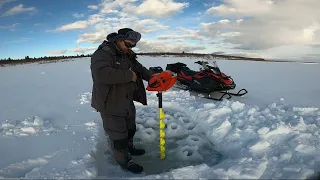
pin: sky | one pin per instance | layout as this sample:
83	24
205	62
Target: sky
270	29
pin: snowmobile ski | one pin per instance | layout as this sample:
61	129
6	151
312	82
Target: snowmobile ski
225	94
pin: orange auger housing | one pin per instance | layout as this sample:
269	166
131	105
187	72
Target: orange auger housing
161	81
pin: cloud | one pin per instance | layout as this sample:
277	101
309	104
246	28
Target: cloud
81	50
313	55
254	55
111	7
241	8
266	24
18	10
148	8
74	26
79	25
10	28
118	14
2	2
76	15
181	37
103	28
93	7
112	24
115	14
92	37
58	52
143	26
220	28
183	34
259	28
157	8
20	40
158	46
206	32
315	45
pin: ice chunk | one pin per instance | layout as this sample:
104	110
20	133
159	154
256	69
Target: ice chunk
305	148
293	168
260	146
28	130
305	110
148	134
237	106
209	106
282	129
37	121
252	111
286	156
90	124
263	131
7	126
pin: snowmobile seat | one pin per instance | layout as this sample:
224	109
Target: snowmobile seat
156	69
175	67
188	72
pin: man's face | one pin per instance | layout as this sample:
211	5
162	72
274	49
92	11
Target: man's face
126	45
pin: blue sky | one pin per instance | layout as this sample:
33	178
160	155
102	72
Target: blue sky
256	28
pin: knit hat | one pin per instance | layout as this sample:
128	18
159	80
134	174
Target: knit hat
124	34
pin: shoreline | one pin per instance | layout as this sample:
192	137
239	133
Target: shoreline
53	59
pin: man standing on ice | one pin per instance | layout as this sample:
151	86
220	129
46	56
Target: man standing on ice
117	82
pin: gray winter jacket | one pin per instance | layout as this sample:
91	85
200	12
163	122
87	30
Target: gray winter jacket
113	91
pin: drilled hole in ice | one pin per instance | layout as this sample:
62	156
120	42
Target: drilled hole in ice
188	152
149	131
173	126
194	139
186	120
191	126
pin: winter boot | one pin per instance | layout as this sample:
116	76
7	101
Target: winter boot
133	167
135	151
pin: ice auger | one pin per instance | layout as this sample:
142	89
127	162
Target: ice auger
161	82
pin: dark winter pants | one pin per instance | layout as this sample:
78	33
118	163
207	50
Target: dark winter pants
121	130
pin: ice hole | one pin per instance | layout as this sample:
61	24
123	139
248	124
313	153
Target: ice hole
186	120
174	126
188	152
194	139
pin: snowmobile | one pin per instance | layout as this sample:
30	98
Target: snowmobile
209	80
156	69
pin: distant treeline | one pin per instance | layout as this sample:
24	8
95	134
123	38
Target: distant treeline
217	56
47	59
44	59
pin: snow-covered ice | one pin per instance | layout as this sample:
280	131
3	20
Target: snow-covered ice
49	130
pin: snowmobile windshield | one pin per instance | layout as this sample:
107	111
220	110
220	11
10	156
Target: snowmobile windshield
214	67
208	65
213	63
